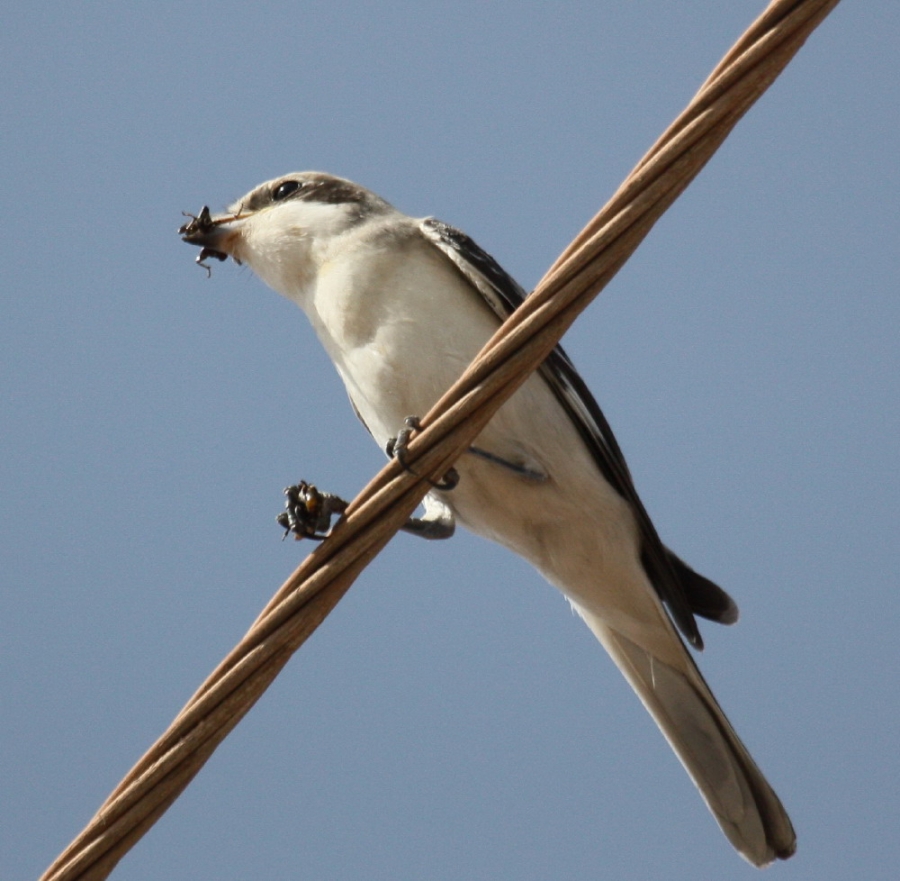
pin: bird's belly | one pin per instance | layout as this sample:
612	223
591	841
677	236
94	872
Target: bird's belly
573	528
405	367
554	509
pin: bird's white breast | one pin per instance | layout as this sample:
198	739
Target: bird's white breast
401	325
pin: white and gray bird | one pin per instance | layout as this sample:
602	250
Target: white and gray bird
402	305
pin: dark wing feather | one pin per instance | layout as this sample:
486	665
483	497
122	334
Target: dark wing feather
682	590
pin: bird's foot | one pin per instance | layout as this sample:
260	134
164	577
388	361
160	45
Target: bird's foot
396	449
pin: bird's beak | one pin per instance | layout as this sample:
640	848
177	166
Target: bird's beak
215	236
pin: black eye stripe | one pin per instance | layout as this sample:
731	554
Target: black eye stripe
308	188
284	189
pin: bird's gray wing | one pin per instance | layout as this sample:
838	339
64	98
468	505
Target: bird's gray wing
684	591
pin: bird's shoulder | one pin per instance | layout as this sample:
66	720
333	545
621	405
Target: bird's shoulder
499	289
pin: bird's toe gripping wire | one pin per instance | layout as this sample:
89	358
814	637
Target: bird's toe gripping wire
396	449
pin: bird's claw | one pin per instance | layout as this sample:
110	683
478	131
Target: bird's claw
396	449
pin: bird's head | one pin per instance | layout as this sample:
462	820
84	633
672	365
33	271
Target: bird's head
283	228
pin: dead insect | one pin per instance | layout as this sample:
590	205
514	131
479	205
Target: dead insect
199	223
308	512
198	226
204	254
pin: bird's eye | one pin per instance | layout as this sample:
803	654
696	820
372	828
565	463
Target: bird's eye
284	189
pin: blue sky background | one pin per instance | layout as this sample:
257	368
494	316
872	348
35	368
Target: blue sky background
452	719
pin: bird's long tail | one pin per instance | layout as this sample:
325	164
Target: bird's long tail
733	787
